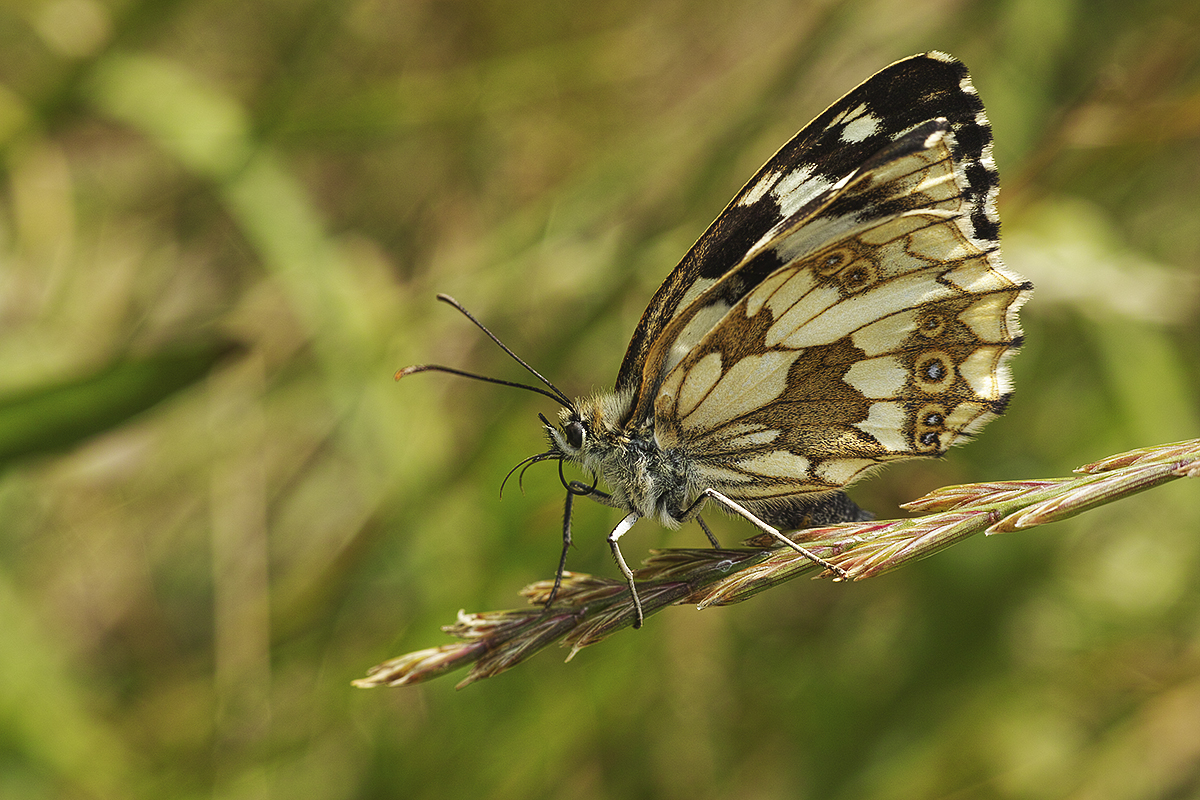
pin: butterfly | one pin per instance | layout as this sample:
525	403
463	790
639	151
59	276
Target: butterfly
848	308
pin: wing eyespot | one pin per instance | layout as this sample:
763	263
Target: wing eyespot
849	267
931	324
834	261
860	275
929	427
934	372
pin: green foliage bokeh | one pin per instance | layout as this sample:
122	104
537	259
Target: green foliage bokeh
188	588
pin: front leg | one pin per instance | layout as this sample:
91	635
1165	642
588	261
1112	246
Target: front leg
574	488
622	528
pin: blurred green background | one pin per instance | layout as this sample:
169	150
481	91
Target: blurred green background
222	226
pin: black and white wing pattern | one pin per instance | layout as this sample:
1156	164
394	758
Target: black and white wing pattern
849	307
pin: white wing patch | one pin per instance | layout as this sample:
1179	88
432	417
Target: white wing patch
760	189
986	318
776	464
751	383
884	424
878	378
981	372
841	471
977	277
755	439
881	336
698	326
862	127
857	124
700	379
797	188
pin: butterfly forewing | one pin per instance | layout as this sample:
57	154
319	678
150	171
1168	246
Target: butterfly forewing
806	170
872	324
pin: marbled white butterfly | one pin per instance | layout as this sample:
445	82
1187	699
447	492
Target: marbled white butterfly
848	308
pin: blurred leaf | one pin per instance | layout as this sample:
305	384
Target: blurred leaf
52	418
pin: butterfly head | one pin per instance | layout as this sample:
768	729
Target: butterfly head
590	434
572	437
589	426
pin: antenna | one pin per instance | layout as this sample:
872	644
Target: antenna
415	368
554	394
562	398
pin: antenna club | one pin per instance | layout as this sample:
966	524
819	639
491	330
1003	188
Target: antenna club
415	368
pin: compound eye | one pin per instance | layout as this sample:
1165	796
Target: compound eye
575	433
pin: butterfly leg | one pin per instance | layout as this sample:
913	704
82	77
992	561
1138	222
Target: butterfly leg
716	545
574	488
622	528
566	547
603	498
746	514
